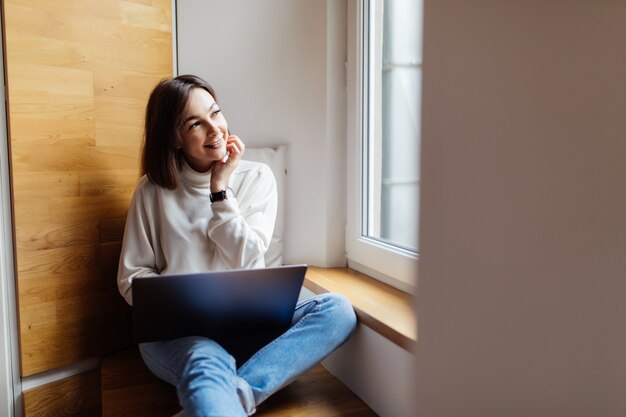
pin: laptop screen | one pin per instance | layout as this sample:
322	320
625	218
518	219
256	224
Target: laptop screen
241	309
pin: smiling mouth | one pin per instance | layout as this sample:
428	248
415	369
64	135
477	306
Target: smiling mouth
214	145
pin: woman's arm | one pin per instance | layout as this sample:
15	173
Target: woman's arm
137	258
242	225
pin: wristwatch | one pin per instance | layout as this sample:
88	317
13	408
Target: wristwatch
218	196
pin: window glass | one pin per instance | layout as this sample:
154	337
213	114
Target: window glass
384	89
391	122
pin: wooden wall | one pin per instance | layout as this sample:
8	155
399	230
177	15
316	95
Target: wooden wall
78	76
76	396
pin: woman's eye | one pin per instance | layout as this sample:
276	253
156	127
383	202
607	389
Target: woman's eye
216	112
194	124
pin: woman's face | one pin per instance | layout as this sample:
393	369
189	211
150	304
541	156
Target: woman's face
204	131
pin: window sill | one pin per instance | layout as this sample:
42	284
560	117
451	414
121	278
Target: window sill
382	308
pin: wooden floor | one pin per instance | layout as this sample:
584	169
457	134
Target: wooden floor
316	394
130	390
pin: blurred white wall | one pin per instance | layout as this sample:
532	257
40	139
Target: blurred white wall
522	291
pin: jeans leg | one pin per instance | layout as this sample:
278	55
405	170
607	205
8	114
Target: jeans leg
320	325
204	375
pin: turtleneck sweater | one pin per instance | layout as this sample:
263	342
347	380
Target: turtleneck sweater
180	231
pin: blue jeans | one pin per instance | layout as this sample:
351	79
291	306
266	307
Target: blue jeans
206	377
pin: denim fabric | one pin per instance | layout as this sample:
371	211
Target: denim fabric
208	381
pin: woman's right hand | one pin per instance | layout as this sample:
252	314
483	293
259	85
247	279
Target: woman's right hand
222	170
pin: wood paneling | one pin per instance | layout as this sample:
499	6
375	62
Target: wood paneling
117	320
79	74
76	396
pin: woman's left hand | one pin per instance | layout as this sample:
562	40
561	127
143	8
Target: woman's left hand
221	170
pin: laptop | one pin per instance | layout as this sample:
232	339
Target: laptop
242	310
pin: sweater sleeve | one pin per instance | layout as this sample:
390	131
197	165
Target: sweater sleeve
242	225
137	258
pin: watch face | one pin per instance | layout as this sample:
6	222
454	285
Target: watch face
218	196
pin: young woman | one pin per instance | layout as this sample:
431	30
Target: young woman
200	207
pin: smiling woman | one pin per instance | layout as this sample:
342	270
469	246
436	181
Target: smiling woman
220	214
205	140
204	130
184	122
211	213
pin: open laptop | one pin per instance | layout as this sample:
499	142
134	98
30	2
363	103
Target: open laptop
243	310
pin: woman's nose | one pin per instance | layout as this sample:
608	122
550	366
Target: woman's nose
213	129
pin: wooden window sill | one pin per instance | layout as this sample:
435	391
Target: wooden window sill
380	307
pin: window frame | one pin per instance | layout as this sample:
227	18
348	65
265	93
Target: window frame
390	264
10	381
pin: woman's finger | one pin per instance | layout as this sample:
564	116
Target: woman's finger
235	145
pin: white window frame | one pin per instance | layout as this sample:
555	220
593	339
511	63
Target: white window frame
10	383
387	263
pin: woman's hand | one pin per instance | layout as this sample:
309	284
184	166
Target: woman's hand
221	170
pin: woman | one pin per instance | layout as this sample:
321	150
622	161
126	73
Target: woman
198	208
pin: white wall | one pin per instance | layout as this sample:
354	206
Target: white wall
376	370
522	291
278	70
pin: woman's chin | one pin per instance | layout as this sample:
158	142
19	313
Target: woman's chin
219	154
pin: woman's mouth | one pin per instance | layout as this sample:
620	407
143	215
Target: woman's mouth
214	145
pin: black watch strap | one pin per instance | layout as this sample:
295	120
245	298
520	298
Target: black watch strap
218	196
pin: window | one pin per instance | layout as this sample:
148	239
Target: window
384	127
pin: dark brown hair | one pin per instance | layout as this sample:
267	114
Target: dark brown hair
162	156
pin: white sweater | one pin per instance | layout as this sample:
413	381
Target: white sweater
180	231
